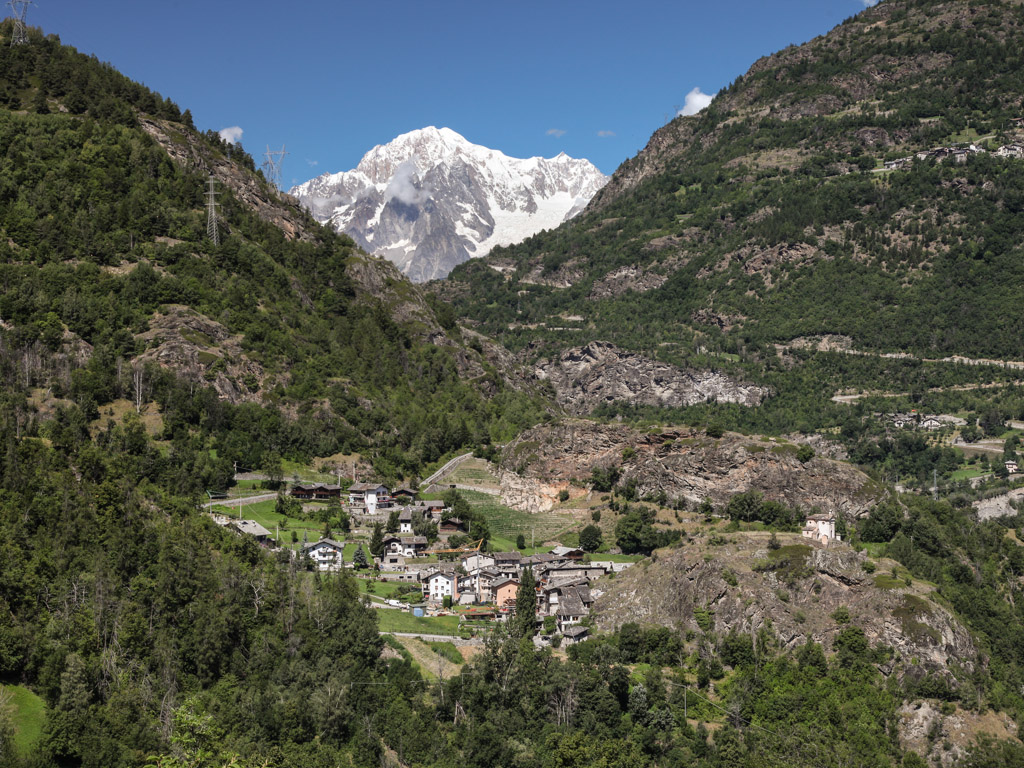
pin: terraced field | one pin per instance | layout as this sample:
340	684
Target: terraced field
473	472
507	523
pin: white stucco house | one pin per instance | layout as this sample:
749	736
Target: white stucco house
821	528
369	495
326	554
440	584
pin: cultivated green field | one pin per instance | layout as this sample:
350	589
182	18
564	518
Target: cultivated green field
400	621
263	513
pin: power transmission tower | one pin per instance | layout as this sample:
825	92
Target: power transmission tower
19	8
211	211
272	161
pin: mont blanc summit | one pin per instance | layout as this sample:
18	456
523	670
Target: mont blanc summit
430	200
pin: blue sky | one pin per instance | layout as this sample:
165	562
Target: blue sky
331	79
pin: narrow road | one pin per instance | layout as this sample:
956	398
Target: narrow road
242	500
446	468
422	636
848	399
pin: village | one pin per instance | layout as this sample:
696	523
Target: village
955	153
450	580
481	585
428	566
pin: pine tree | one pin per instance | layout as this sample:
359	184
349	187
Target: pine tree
359	558
377	540
525	618
638	704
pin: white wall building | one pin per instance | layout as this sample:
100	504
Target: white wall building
369	495
821	528
326	554
441	584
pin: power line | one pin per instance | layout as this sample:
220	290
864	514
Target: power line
211	210
272	162
19	9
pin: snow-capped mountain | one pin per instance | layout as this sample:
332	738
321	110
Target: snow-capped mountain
430	200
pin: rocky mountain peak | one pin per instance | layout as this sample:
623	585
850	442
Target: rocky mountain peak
430	199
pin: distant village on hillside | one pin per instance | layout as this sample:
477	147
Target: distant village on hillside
438	577
957	153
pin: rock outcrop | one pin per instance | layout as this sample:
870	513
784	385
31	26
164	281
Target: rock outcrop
270	205
1003	505
585	377
736	583
628	278
944	738
681	463
203	351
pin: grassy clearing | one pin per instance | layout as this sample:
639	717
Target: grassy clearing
967	473
888	581
605	557
305	473
429	659
874	549
116	411
29	716
447	650
400	621
263	512
383	589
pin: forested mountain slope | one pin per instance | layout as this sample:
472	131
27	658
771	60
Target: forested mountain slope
770	216
153	637
284	340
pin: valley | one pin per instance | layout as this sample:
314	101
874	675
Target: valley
461	459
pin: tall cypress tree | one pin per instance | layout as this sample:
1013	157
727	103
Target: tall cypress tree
525	619
377	541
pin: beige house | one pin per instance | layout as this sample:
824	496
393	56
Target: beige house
505	591
821	528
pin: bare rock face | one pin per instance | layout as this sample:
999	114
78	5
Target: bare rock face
740	585
203	350
683	463
623	279
585	377
999	506
943	739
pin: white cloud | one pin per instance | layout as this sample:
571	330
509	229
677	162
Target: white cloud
403	185
231	135
869	3
696	100
556	132
313	163
606	134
